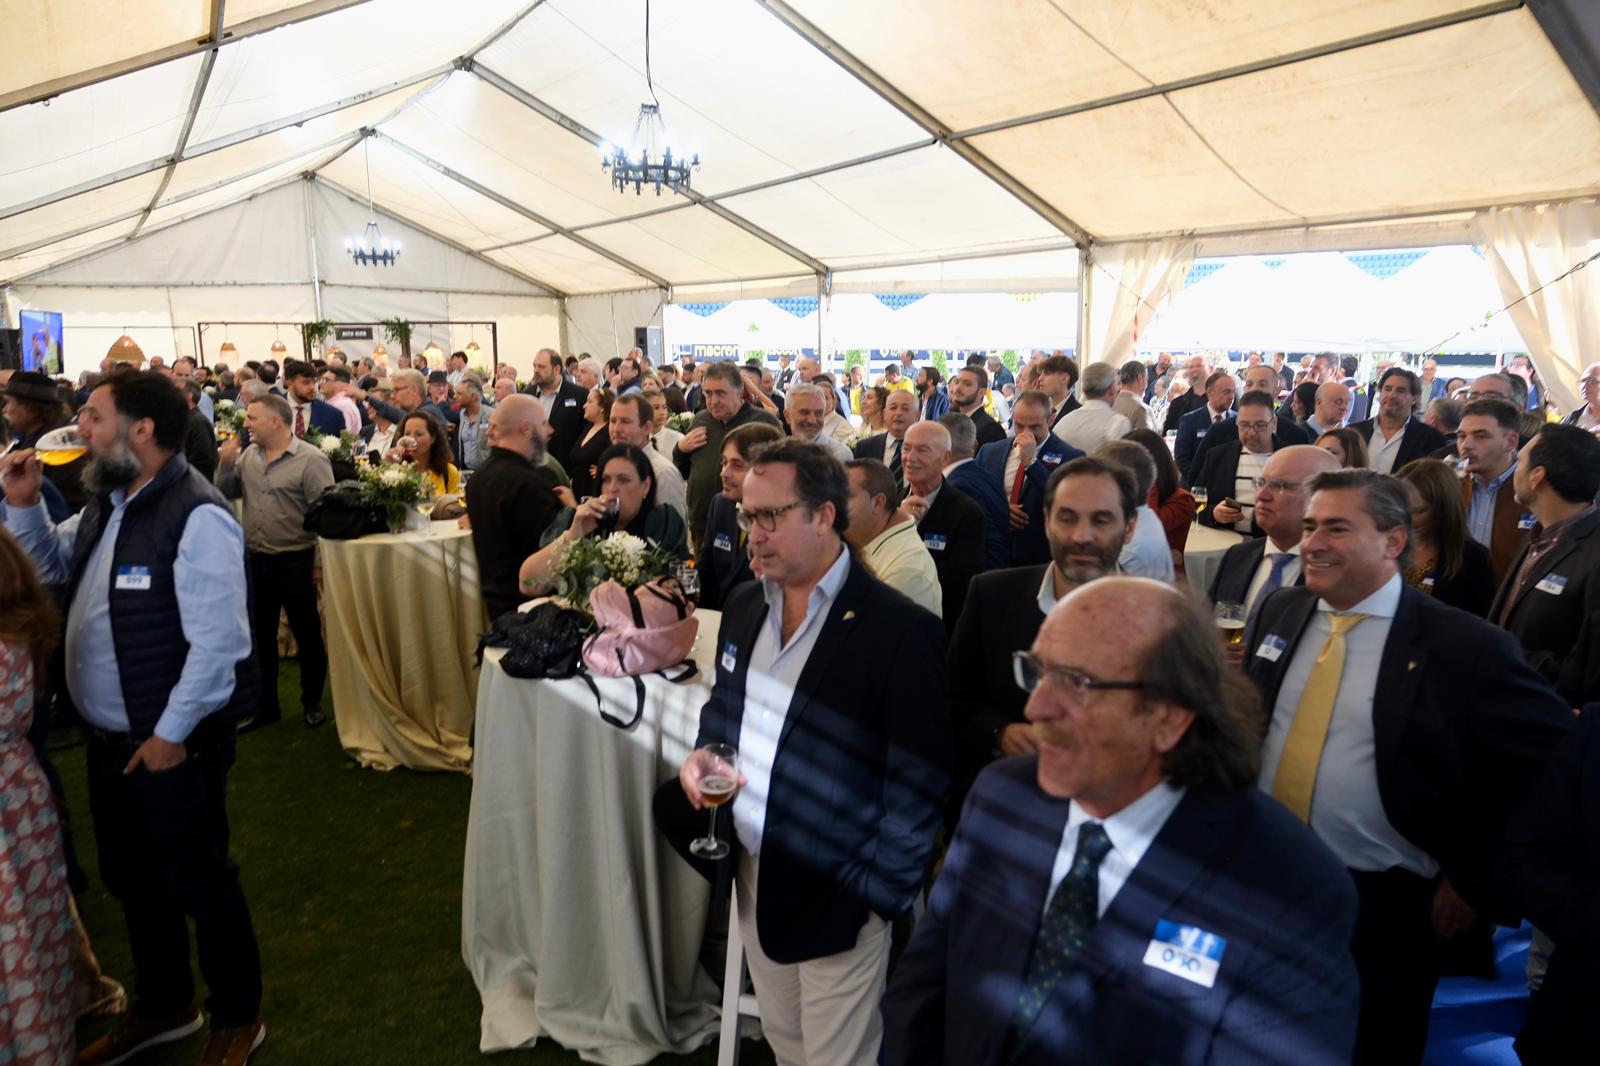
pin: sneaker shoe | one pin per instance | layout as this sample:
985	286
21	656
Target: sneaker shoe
315	717
136	1034
232	1047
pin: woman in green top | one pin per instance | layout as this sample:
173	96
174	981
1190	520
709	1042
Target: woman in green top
626	477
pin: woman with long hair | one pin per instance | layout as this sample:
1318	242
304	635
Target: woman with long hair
627	503
1171	502
583	462
874	399
1446	562
431	452
1345	445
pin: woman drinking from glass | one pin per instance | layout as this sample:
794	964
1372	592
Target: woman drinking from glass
1446	562
429	451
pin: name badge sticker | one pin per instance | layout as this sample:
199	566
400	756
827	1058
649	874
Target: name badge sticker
935	542
569	402
1271	648
136	578
722	542
1552	583
1186	951
1525	522
730	657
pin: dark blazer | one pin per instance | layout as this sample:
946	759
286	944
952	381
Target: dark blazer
988	429
873	447
863	765
724	560
567	425
1219	476
971	479
1028	545
323	415
1191	428
953	531
200	445
1472	587
1419	441
511	504
584	457
1551	863
1558	603
1462	723
1238	569
1509	530
1179	407
1001	616
1285	989
1227	432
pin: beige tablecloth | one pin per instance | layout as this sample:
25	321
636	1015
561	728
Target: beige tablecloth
578	920
404	616
1203	552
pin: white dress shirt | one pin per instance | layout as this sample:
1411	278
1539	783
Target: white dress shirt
1291	573
769	689
670	488
1251	467
899	559
1131	831
1382	450
665	439
1346	809
1092	425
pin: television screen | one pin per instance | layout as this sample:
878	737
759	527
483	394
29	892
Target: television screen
41	341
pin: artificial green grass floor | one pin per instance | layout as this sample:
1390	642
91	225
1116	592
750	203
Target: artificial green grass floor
354	882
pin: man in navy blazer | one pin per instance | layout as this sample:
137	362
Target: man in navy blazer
308	411
1253	568
843	765
1193	426
965	474
1400	435
1126	895
1036	452
1287	431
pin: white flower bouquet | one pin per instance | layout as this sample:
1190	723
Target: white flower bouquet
392	489
680	422
229	419
628	560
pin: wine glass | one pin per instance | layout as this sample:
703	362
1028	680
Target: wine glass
60	446
408	449
1458	465
719	779
688	580
1200	494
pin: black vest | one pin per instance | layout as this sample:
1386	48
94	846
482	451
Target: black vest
146	628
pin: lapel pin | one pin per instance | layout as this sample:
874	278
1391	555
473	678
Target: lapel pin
847	616
1412	665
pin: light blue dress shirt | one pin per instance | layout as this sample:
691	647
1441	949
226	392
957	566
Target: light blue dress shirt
769	689
1147	554
210	582
1480	512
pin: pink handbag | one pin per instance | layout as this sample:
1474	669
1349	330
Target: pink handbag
641	630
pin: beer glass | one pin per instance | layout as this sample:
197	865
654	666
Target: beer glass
718	781
1230	622
60	446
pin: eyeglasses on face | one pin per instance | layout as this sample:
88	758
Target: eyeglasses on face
1255	427
766	517
1030	673
1277	485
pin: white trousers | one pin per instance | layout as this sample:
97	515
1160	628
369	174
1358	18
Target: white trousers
823	1012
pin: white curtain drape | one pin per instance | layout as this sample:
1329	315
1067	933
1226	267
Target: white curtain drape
1529	247
1127	286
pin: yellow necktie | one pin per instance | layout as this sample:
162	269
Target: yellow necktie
1302	751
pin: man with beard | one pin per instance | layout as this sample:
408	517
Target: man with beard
1396	436
33	408
562	401
513	499
967	389
808	415
1092	507
160	665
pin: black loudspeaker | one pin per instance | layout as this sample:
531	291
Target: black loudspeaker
10	349
648	340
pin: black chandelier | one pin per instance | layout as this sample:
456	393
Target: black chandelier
372	248
650	159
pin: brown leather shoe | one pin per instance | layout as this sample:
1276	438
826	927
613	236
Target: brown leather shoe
136	1033
232	1047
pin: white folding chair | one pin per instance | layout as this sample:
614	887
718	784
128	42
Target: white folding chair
736	1003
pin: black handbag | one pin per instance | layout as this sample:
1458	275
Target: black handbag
547	641
339	514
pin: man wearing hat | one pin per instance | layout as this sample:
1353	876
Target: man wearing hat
439	400
378	435
33	408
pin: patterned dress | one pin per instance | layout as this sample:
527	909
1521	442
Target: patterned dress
36	932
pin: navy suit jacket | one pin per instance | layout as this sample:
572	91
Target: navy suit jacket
567	425
1238	569
724	560
1220	478
1462	727
323	416
973	480
1192	427
1235	864
862	767
1227	432
1028	545
953	531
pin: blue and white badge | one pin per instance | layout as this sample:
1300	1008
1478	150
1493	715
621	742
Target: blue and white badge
1525	522
1271	648
935	542
569	402
730	656
1552	583
722	542
136	578
1186	951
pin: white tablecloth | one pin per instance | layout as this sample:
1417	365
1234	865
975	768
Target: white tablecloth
578	920
1203	552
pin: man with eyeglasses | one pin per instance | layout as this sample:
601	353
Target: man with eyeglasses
1396	436
1232	471
843	765
1091	508
1286	432
698	454
1588	416
336	390
1106	898
1253	569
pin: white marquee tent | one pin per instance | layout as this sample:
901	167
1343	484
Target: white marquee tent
184	161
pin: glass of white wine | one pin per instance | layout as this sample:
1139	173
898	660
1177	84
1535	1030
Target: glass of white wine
1200	494
719	779
61	446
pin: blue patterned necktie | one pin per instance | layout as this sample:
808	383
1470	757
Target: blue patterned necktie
1073	913
1280	563
894	466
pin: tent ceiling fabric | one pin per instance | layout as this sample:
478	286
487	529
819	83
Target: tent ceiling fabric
927	135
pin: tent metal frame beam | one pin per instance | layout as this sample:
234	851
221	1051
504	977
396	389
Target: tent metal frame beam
549	290
511	205
577	128
245	30
1578	46
813	35
207	65
1439	22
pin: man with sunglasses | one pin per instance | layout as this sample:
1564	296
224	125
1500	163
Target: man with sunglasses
1125	894
843	765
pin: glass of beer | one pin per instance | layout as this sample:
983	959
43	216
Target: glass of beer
60	446
1200	493
719	779
1230	622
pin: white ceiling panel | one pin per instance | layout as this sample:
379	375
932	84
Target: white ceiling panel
49	39
102	205
693	245
61	251
578	269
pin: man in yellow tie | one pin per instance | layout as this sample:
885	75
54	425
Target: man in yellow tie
1405	733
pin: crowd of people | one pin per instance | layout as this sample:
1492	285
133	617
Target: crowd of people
1288	837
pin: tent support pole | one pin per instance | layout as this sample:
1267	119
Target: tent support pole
311	246
1085	293
200	82
563	334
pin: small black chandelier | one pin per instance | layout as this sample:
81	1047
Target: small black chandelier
372	248
650	158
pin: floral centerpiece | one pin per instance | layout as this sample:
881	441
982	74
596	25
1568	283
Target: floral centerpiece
584	563
392	489
229	418
680	422
339	447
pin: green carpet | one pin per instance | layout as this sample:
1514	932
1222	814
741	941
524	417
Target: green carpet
354	881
